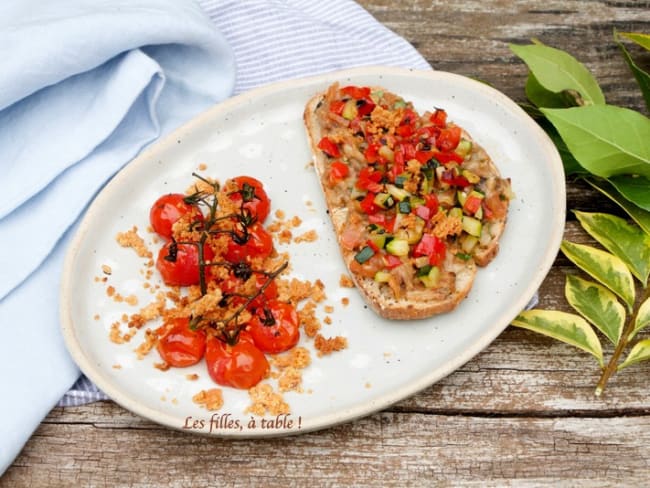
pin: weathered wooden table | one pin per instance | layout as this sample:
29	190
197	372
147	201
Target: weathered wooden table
522	412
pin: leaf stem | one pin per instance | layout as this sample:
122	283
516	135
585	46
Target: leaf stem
612	365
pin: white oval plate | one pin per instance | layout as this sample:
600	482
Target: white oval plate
261	133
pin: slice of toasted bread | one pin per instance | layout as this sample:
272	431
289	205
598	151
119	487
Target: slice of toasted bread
413	300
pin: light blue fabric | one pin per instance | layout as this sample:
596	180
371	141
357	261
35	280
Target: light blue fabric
85	85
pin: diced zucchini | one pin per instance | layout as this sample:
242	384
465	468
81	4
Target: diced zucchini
350	109
364	255
404	207
430	280
472	226
421	263
455	213
376	95
398	247
382	276
378	240
473	178
384	200
464	147
411	235
462	197
398	193
468	242
399	104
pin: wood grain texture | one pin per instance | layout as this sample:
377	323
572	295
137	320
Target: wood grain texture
521	413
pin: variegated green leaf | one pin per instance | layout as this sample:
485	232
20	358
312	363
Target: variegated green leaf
641	39
566	327
640	216
603	267
640	352
596	304
642	318
622	239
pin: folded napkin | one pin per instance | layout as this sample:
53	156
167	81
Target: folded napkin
86	84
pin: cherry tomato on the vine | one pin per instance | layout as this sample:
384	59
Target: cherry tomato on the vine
181	346
240	366
251	193
167	210
178	263
233	285
258	244
275	327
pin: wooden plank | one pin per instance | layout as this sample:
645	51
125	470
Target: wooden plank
386	449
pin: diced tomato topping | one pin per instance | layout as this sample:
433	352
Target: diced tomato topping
432	247
329	147
448	157
336	107
439	118
383	220
472	204
424	156
368	204
371	154
449	138
391	261
452	178
423	212
338	171
431	202
357	92
369	179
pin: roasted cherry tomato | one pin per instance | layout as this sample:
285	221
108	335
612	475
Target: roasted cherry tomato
258	244
240	366
275	327
234	285
181	346
329	147
178	263
449	138
338	172
255	200
167	210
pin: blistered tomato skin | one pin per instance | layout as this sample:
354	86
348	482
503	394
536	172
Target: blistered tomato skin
240	366
259	244
180	346
167	210
178	263
275	328
252	197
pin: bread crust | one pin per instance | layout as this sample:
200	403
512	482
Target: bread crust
417	303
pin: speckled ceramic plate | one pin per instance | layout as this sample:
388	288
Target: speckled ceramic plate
261	133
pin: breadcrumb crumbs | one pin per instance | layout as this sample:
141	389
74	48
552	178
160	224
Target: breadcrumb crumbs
264	400
130	238
309	236
345	301
346	282
290	380
326	346
211	399
106	269
192	377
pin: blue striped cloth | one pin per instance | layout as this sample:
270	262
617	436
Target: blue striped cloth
85	85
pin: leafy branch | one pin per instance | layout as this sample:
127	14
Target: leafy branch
609	147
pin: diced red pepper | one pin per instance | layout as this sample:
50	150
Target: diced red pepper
329	147
338	171
368	204
432	247
357	92
372	245
439	117
454	179
449	138
337	107
404	130
423	156
365	107
431	202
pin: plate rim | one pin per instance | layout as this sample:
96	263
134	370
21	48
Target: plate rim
478	344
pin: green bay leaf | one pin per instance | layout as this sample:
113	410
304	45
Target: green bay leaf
642	319
604	267
642	77
605	139
640	216
626	241
641	39
636	189
640	352
558	71
566	327
596	304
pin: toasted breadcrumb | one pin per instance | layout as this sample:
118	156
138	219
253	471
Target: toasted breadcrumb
345	301
116	336
327	320
131	239
290	380
211	399
162	366
202	167
117	366
264	400
307	316
192	377
131	300
309	236
150	339
346	282
106	269
298	357
326	346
